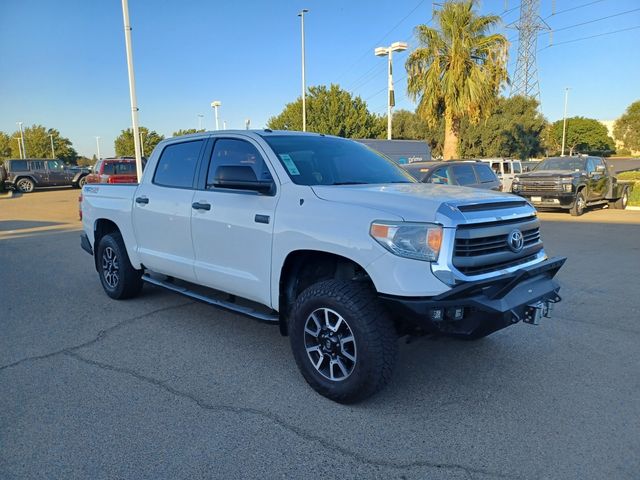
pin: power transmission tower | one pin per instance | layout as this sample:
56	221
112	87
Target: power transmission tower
525	80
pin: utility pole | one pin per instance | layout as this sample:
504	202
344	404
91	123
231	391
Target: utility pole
132	88
24	152
304	85
200	116
391	99
53	152
141	144
19	146
98	146
525	79
247	123
215	104
564	121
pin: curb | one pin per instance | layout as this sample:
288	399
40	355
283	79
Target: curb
629	207
9	194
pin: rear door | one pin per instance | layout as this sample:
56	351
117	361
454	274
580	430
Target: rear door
162	211
233	229
39	172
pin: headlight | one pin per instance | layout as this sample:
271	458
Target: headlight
420	241
567	187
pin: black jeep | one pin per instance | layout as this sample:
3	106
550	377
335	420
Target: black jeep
572	183
26	174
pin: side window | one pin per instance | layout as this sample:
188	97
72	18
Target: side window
517	167
507	167
96	167
597	162
177	164
37	165
495	166
441	175
19	166
230	152
485	174
54	165
464	174
590	165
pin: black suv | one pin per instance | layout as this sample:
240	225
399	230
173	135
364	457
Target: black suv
26	174
573	183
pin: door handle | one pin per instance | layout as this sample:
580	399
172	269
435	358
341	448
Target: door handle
201	206
261	218
142	200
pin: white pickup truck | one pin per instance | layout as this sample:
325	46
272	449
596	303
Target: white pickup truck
324	237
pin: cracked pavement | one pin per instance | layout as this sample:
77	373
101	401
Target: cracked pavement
161	387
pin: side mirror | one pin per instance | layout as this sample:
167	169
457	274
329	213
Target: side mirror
600	168
241	177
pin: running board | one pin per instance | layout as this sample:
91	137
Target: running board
248	311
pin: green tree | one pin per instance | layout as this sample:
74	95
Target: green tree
513	130
458	69
5	146
86	161
409	125
627	127
188	131
125	147
584	135
332	111
37	144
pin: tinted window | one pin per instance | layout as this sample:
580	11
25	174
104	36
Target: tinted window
597	162
229	152
55	165
506	166
441	175
177	164
37	165
119	168
464	174
485	174
562	163
18	166
517	167
316	160
495	166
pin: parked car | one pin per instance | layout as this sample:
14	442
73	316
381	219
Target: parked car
320	235
505	169
114	170
573	183
27	174
464	173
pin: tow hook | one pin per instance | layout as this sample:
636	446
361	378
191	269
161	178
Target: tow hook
536	311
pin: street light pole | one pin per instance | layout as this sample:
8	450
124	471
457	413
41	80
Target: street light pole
132	88
200	121
564	121
391	101
304	86
98	146
19	146
215	104
24	152
141	144
53	152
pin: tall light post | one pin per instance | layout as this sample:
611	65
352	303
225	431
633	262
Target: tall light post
24	152
215	104
53	152
132	88
200	116
141	144
304	86
19	146
98	146
247	124
564	120
391	101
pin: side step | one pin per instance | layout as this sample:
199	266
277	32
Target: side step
248	311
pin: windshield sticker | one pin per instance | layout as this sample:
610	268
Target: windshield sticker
288	162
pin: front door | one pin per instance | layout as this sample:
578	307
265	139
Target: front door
162	212
57	175
232	228
597	179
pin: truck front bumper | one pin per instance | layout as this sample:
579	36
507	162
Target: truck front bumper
549	199
481	307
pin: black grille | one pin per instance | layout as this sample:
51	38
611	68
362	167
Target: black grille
540	187
482	248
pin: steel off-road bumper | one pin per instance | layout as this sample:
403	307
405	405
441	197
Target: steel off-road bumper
481	307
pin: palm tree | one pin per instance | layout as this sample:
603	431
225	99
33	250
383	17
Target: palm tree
458	69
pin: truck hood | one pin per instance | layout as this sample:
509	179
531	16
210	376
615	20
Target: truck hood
548	174
413	202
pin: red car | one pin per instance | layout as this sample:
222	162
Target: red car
114	170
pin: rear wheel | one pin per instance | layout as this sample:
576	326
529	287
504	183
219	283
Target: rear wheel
82	181
25	185
118	277
342	340
622	202
579	205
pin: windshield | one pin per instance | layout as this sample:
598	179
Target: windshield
317	160
570	164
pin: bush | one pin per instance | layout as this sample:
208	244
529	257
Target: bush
632	175
634	196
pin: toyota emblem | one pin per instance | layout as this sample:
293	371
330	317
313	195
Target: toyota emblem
515	240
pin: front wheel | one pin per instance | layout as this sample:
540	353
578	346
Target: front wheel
578	206
25	185
119	279
342	340
82	181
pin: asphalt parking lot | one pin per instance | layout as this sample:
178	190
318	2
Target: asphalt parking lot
162	387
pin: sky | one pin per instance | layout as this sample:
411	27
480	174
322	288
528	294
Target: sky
63	62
